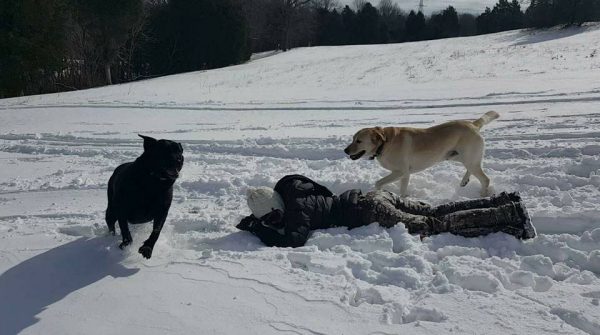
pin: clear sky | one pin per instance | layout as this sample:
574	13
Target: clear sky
462	6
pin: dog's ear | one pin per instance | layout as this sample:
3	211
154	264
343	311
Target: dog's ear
180	147
149	142
377	135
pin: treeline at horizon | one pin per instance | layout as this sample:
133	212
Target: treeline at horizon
61	45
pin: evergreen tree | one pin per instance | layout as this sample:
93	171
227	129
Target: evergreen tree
32	40
485	22
570	12
444	24
350	25
540	14
467	25
505	16
450	22
368	25
415	26
330	28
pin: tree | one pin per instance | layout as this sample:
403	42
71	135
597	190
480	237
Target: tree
415	26
358	4
258	14
444	24
288	12
505	16
350	25
328	5
393	19
467	25
570	12
194	35
330	28
105	26
32	40
450	23
540	14
368	26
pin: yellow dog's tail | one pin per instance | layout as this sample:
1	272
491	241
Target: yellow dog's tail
485	119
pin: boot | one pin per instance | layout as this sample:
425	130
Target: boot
528	228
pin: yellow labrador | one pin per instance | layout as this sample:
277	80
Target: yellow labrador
404	150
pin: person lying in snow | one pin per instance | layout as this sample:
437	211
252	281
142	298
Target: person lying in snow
284	217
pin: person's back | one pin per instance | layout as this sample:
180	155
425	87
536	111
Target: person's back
308	202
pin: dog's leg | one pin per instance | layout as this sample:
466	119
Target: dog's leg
148	246
392	177
472	161
125	233
465	179
477	171
111	219
111	216
404	185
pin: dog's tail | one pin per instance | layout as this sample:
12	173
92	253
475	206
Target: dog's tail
485	119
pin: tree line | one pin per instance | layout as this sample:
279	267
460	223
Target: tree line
59	45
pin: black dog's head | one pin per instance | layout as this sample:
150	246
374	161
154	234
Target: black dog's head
163	158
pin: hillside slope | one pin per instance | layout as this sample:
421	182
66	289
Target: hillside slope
498	67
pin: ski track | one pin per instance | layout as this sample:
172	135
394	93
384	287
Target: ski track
545	145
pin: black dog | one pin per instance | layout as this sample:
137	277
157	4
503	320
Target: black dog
142	191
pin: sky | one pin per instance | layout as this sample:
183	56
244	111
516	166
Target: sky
462	6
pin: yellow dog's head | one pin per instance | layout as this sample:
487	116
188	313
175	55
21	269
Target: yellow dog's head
365	142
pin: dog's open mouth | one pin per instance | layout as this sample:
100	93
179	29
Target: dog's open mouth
357	155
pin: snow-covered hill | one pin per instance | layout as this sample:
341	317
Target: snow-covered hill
294	112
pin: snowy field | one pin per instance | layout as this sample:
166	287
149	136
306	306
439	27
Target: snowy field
294	112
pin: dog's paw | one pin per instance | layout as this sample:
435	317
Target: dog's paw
464	182
146	251
124	244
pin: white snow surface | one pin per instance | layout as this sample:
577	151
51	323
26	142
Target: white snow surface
294	112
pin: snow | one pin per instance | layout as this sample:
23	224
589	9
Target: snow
294	112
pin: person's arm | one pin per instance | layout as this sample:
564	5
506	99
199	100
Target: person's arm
276	230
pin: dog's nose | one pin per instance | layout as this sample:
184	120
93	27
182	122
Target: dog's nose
346	151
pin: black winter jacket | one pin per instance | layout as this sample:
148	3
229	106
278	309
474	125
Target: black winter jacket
308	206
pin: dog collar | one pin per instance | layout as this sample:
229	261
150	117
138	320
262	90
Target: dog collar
378	152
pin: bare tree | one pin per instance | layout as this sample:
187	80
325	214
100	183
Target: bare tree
359	4
388	8
327	5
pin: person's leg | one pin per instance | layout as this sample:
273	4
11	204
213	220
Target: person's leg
493	201
406	205
511	218
384	207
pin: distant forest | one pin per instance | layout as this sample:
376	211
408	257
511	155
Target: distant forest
60	45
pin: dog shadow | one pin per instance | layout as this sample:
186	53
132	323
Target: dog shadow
29	287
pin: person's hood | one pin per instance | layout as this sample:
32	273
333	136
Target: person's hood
263	200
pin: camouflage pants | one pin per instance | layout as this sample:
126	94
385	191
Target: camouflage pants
502	213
